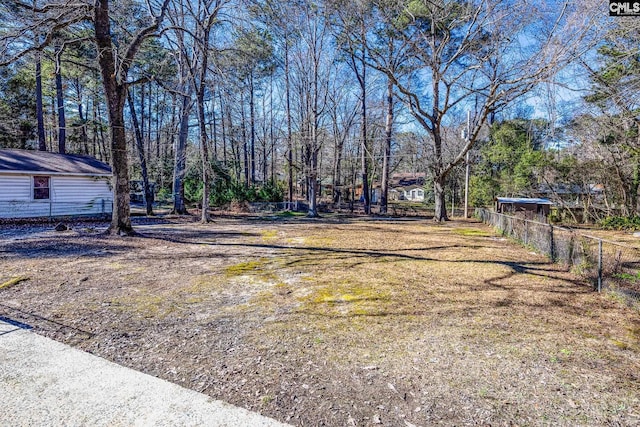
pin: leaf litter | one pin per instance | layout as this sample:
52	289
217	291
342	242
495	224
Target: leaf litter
338	322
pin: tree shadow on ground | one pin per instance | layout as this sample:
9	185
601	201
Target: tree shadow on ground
26	319
53	247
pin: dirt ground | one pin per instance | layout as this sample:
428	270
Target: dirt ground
336	322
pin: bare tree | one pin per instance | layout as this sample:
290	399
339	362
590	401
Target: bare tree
312	76
342	111
351	21
139	142
478	56
204	15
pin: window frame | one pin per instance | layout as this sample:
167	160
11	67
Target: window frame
34	188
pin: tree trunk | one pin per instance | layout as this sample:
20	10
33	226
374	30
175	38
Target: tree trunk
440	202
314	148
337	168
62	126
148	149
631	199
287	85
252	129
365	145
179	168
313	197
245	147
204	149
42	143
272	139
97	130
204	153
180	163
148	191
214	125
388	130
115	94
224	129
313	172
84	138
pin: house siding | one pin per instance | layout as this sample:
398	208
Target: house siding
15	188
414	194
69	195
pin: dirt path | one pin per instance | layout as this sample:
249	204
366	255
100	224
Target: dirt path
338	322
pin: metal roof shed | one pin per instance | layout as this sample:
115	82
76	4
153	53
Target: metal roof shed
522	204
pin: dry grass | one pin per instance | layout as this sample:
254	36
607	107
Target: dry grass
13	281
349	322
624	237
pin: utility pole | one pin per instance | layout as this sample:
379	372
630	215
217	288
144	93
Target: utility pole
466	175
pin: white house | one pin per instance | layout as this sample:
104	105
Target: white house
412	192
41	184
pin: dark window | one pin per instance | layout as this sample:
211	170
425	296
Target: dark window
40	187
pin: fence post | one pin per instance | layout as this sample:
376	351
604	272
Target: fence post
552	244
599	265
526	233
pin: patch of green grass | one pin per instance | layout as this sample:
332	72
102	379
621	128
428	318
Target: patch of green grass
620	344
471	232
290	214
13	281
243	268
266	399
628	277
616	296
346	299
634	333
257	269
269	235
582	268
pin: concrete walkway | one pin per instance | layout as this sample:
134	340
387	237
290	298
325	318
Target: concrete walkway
46	383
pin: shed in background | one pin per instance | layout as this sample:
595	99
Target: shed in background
530	207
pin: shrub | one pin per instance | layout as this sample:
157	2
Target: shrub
225	189
621	223
164	195
272	191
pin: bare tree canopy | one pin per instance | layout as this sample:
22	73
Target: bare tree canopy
320	102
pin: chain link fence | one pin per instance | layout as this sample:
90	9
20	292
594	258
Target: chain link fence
271	207
604	264
49	209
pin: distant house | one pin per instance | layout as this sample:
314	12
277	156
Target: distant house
571	196
413	192
526	206
42	184
402	186
407	186
407	179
